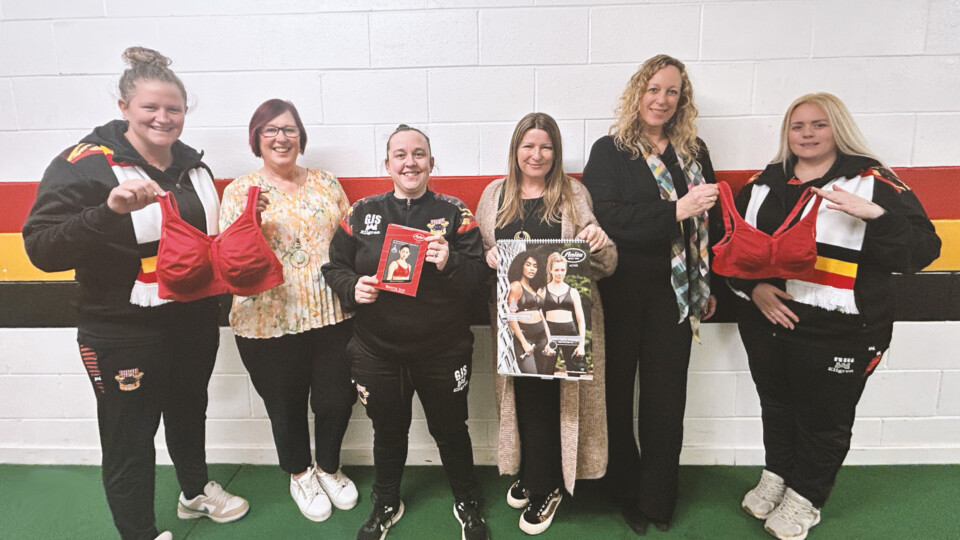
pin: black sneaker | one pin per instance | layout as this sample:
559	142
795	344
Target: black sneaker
518	496
540	511
468	514
381	519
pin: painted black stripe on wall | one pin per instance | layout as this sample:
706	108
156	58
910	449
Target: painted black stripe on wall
932	296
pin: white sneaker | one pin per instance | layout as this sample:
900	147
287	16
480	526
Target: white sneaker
793	517
341	490
214	503
309	496
165	535
760	501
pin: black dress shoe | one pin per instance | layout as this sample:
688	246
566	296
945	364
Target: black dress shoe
635	519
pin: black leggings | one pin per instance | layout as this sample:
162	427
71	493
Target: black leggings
573	361
536	335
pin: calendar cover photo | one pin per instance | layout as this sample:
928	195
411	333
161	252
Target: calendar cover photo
401	260
543	309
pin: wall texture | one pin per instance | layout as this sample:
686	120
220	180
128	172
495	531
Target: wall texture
466	71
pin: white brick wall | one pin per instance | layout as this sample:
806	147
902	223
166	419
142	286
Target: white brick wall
480	64
466	71
910	412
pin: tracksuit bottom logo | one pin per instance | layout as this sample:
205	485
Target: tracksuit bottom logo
842	365
461	376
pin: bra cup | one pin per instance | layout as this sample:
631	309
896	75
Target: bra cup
243	264
187	262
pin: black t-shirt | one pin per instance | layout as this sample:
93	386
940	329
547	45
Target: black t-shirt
532	223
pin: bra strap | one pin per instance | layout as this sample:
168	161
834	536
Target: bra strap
168	205
804	199
726	206
253	194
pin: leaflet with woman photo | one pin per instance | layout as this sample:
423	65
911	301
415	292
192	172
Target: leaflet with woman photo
543	309
404	250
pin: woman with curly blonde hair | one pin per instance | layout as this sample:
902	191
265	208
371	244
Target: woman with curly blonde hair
652	184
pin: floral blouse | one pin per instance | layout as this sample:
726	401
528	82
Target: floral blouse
303	301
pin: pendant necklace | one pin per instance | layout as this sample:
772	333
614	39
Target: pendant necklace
522	234
299	257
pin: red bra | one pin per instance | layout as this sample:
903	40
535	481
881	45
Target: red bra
749	253
192	265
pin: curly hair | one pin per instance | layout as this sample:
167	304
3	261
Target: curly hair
627	130
515	272
557	192
846	135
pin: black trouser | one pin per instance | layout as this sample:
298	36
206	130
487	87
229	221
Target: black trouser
135	384
288	371
536	335
644	338
385	385
808	400
538	419
573	362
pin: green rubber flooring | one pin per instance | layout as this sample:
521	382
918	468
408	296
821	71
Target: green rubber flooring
888	502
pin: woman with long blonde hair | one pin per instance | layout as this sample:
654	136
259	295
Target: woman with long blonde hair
652	184
538	201
812	342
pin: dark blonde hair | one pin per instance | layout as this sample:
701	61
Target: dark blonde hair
557	193
627	130
150	65
404	127
846	135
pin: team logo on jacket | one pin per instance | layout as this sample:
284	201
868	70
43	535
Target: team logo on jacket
129	379
438	226
841	365
371	224
363	394
461	376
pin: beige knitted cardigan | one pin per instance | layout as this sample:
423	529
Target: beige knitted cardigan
583	414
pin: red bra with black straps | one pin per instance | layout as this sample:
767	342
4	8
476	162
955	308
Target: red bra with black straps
749	253
192	265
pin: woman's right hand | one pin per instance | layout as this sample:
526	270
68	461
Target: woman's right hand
767	298
697	201
133	195
364	292
527	347
493	258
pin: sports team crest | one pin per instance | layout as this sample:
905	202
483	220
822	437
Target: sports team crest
438	226
129	379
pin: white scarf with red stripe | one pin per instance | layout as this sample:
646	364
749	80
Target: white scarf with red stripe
831	286
147	223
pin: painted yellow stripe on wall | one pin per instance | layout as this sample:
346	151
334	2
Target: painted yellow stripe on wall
949	231
834	266
15	266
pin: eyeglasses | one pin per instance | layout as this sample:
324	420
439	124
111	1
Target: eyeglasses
273	131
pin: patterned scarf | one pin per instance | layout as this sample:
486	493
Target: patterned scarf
689	265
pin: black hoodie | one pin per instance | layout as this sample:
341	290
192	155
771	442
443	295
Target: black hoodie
902	240
70	227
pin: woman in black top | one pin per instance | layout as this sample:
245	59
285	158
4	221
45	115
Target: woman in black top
652	183
530	332
145	356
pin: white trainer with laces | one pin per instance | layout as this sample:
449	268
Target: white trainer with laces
341	490
165	535
214	503
309	496
793	517
760	501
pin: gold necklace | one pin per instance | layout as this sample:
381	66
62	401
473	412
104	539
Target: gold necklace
522	234
298	256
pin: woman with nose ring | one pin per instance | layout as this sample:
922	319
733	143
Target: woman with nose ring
530	331
652	183
292	338
419	344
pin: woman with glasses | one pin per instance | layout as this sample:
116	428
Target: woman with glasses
292	338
